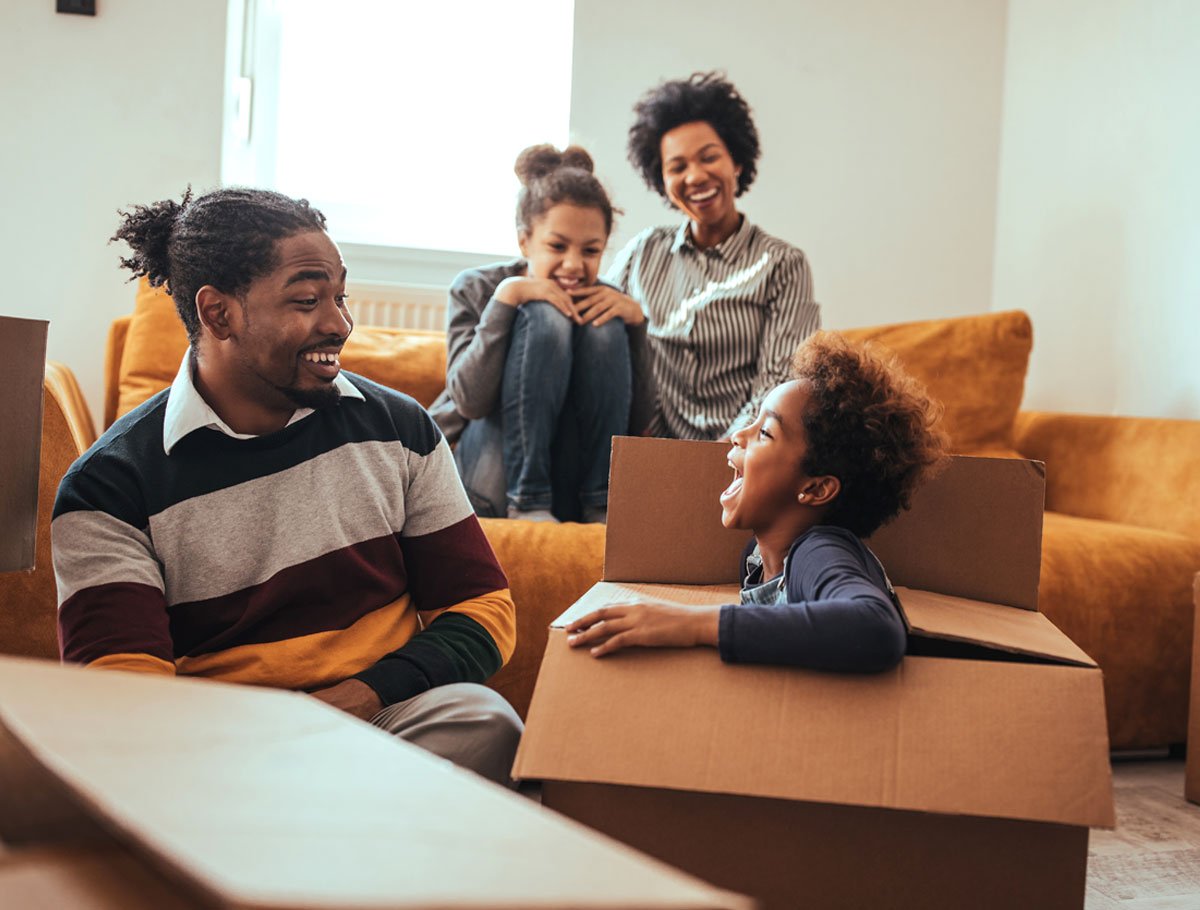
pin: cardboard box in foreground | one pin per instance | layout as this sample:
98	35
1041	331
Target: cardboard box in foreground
22	369
268	799
1192	779
967	777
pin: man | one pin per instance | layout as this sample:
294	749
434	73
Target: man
273	521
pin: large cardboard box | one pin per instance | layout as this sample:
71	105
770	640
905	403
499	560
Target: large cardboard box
967	777
22	368
1192	777
75	879
269	799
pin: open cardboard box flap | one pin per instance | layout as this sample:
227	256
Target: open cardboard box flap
974	530
924	737
967	550
989	628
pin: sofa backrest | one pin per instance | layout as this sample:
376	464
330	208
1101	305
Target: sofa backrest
975	365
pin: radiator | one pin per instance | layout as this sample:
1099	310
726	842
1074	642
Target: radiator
401	306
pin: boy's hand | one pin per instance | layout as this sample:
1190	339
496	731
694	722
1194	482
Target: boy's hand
518	290
600	303
647	624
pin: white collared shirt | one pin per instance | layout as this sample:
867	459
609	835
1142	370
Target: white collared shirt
187	411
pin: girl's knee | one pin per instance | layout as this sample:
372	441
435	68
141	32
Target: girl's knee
543	323
606	341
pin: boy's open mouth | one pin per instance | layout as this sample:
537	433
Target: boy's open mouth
735	487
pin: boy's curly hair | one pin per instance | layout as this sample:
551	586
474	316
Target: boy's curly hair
869	424
709	97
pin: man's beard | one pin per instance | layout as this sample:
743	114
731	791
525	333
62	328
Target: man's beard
324	397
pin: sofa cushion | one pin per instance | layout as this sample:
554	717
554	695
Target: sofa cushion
1124	595
549	567
974	365
154	345
409	360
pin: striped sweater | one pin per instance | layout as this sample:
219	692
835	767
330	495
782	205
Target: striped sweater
341	546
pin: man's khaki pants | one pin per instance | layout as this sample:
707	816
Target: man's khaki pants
467	723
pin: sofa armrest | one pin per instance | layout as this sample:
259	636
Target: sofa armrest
1140	471
113	352
63	387
29	600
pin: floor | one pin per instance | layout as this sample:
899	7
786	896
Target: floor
1152	860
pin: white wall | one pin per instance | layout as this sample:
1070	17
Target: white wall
879	122
99	113
1098	226
883	134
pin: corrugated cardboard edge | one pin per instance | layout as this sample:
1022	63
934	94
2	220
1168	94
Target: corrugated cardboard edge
22	376
1192	777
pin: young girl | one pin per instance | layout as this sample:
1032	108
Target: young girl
833	455
544	363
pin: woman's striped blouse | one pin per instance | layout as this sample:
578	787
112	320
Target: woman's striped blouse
724	322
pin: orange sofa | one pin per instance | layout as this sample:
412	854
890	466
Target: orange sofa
1121	539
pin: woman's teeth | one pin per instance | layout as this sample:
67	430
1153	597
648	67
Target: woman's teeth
703	197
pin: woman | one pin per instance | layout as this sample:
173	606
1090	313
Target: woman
728	304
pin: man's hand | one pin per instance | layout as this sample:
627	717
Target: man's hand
647	624
352	696
600	303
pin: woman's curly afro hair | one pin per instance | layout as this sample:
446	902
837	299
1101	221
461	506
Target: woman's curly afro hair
709	97
225	238
869	424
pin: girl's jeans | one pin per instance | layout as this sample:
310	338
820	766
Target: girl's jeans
565	393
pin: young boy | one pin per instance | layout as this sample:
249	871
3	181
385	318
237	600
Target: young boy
834	454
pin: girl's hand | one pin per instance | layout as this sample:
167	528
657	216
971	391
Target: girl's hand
519	290
647	624
600	303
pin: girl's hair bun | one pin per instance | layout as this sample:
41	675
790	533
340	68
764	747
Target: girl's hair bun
540	161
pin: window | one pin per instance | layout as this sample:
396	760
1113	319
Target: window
399	120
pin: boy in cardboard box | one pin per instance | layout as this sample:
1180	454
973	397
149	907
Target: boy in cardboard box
834	455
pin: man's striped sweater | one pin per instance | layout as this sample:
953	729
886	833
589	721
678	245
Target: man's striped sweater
341	546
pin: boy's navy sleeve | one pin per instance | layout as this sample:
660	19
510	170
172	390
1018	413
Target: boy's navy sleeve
843	621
